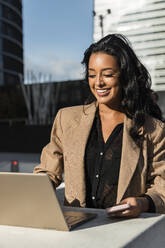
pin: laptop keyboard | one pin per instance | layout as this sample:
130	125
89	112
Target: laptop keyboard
74	219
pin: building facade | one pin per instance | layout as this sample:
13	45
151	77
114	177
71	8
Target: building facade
143	23
11	42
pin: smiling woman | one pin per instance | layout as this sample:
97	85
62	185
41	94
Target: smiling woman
103	74
112	150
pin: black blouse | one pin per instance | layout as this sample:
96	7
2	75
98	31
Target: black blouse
102	166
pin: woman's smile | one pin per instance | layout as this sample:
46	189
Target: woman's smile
103	92
103	77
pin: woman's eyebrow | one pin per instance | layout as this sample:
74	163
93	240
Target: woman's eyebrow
108	68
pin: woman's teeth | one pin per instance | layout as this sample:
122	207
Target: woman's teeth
102	91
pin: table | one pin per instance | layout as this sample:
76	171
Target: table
146	231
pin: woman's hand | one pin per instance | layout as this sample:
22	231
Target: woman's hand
137	206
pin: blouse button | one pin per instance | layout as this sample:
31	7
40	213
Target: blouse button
101	153
97	176
93	197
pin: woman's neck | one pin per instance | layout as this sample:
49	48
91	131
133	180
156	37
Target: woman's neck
105	109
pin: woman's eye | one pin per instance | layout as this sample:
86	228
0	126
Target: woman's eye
108	75
91	76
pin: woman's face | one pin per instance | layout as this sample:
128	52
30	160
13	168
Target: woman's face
103	78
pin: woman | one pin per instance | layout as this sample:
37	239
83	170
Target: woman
112	150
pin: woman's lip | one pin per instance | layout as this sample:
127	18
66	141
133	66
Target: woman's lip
102	92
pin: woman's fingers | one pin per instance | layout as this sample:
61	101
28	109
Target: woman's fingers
137	205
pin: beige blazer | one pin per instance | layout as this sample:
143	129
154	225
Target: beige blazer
142	169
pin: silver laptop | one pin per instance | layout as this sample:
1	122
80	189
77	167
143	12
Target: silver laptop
29	200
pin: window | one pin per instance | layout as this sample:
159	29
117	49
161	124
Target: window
15	3
12	64
1	78
1	61
10	79
11	31
0	10
11	47
1	44
11	15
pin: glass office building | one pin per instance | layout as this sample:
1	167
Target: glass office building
11	42
143	23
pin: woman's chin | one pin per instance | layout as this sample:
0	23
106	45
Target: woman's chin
105	101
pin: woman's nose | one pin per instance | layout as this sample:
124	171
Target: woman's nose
99	80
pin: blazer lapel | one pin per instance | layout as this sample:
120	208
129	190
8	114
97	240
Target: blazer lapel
76	140
129	160
82	130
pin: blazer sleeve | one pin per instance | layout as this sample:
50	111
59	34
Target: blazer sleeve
156	167
52	154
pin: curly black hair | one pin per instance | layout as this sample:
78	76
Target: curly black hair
135	81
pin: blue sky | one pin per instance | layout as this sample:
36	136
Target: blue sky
56	34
